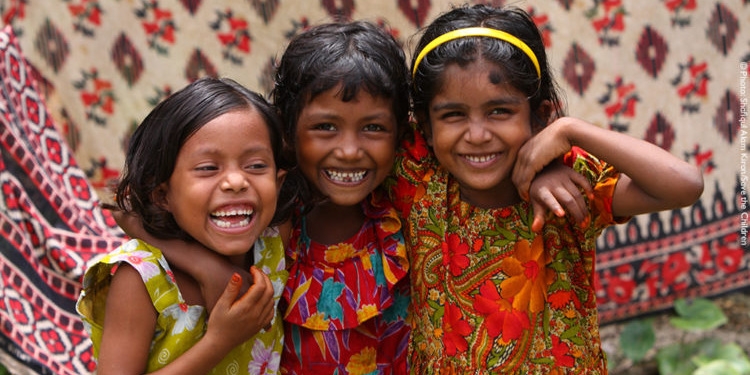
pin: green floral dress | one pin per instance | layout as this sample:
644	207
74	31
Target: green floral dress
488	294
180	326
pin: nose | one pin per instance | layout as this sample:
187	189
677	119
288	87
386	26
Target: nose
234	181
349	148
477	132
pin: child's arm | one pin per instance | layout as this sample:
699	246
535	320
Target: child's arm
131	320
208	268
559	189
652	179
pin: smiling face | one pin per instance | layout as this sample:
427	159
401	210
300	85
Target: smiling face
225	183
346	149
477	125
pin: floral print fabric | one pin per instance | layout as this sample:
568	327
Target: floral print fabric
180	326
488	294
347	302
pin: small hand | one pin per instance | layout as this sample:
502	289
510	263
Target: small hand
559	189
539	151
236	319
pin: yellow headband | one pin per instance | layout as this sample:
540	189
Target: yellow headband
477	31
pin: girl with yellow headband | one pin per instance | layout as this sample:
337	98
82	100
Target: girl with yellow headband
495	289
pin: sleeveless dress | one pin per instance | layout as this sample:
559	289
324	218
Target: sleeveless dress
180	326
345	304
489	296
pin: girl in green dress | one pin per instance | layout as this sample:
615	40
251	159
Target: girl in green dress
205	167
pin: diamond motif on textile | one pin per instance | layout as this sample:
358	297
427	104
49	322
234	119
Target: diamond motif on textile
651	51
578	68
199	66
417	15
191	5
660	132
127	59
727	117
51	44
339	10
266	9
723	28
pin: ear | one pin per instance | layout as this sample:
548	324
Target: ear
280	177
543	116
423	121
159	196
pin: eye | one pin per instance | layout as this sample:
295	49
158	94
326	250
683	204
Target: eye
257	165
206	168
327	126
500	111
450	116
374	128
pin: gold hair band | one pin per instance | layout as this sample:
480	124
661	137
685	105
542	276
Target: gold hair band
477	31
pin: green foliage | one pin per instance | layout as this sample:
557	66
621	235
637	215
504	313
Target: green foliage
637	338
707	356
700	315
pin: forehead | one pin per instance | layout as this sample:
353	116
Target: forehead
232	130
474	79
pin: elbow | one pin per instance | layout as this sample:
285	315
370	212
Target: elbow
692	187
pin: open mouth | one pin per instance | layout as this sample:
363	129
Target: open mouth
347	177
481	158
232	218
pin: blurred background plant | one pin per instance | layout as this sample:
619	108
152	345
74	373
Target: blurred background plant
699	348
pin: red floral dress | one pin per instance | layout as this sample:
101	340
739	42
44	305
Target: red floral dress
488	294
347	302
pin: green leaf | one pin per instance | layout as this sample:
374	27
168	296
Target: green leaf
698	315
637	339
673	360
730	354
677	358
717	367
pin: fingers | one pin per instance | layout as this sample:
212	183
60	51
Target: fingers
559	189
260	296
539	214
523	174
231	291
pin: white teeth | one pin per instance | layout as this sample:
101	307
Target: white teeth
245	214
346	176
227	224
232	213
480	158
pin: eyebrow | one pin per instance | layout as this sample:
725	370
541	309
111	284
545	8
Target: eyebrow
251	150
506	100
328	115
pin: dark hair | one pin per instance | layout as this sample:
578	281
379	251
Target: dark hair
516	66
154	146
357	55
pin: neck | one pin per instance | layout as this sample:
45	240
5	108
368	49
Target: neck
503	195
243	261
328	223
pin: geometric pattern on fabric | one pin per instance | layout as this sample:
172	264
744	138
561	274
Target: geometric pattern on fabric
51	225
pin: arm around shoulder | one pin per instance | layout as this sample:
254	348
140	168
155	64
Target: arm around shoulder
652	179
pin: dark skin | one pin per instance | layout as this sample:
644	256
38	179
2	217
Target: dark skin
132	321
195	259
557	187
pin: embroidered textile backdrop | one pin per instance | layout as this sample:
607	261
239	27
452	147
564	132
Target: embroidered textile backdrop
673	72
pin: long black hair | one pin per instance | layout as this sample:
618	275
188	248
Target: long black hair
357	55
155	144
515	66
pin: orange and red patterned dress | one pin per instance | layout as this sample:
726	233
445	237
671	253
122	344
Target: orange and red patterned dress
488	294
